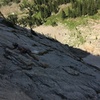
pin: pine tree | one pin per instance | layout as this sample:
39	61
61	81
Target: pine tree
80	7
63	14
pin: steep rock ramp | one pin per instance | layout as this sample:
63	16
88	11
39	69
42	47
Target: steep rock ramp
34	67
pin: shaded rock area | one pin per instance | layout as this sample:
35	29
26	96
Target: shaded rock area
33	67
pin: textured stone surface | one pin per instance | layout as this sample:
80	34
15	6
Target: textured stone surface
47	71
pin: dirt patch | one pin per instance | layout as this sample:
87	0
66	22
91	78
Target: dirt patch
6	10
90	32
58	32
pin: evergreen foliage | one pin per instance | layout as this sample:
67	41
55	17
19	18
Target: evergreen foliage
37	11
30	8
83	7
13	18
63	15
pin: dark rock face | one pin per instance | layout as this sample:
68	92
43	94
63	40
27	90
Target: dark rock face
43	69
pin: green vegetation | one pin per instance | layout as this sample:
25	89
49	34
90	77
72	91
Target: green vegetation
70	23
83	7
76	38
37	11
13	18
50	12
71	13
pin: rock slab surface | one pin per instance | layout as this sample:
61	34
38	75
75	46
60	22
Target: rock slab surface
39	68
